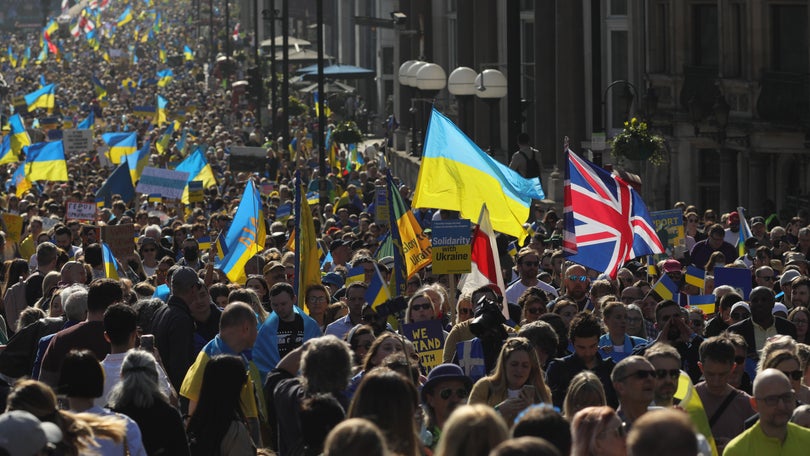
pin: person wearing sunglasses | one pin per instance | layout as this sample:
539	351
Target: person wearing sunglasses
445	389
633	379
774	400
528	265
576	284
667	363
516	383
787	362
532	304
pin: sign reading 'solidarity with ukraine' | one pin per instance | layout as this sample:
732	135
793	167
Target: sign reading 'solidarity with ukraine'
452	249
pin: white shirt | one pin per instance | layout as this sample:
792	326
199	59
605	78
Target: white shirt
112	374
514	291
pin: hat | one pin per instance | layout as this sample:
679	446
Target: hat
734	215
183	278
442	372
633	266
757	220
672	266
739	305
387	261
272	265
336	244
333	278
779	307
22	434
788	277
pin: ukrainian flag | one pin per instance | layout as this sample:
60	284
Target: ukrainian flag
355	274
121	145
162	145
165	77
26	57
162	105
20	181
205	243
326	111
377	292
162	53
19	136
245	236
106	56
197	168
665	288
11	59
691	403
125	17
703	302
46	161
221	245
146	112
695	276
745	232
88	122
110	263
99	88
155	198
119	183
42	98
513	250
137	161
5	151
188	53
307	258
457	175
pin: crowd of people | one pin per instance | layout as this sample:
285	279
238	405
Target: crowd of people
174	358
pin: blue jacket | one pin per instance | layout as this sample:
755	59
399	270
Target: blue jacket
265	350
629	343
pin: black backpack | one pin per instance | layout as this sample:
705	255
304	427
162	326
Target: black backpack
532	165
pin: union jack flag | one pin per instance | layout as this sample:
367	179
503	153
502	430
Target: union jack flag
606	222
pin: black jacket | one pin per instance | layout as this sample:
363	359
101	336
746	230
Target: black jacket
173	327
745	328
562	370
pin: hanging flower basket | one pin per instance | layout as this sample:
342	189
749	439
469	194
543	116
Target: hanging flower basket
347	133
636	143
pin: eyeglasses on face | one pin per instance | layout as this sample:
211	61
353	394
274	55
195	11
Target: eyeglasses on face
639	375
772	401
577	278
460	393
663	373
424	306
795	375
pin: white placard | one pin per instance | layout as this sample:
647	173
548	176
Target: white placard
166	182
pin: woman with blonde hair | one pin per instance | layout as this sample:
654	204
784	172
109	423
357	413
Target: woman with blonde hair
789	363
516	383
79	430
598	431
585	390
355	436
472	430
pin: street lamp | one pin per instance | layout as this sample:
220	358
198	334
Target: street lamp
490	87
626	97
430	79
461	84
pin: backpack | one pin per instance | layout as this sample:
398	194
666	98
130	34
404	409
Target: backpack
532	165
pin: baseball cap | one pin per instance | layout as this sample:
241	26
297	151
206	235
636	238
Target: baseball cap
336	244
788	277
22	434
672	266
183	278
333	278
779	307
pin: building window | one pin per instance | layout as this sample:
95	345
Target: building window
705	47
735	41
619	61
789	38
708	177
618	7
527	71
659	37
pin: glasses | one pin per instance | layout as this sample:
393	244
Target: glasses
798	322
465	311
795	375
531	263
445	394
662	373
424	306
771	401
639	375
740	315
577	278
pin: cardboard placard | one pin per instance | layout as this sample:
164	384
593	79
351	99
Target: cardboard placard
428	340
381	212
77	141
120	238
48	223
13	224
669	227
168	183
251	159
451	246
195	192
80	210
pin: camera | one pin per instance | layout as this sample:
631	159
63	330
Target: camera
487	316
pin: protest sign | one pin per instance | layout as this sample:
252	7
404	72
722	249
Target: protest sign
428	341
48	223
669	228
251	159
80	210
13	225
120	238
452	248
737	278
381	213
169	184
195	192
77	141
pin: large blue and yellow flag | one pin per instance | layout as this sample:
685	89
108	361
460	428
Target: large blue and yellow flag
121	144
99	88
165	77
162	106
110	263
377	292
162	56
197	168
118	183
26	57
457	175
21	183
46	161
665	288
137	161
246	235
88	121
43	98
307	256
162	144
411	250
18	135
125	17
188	53
5	151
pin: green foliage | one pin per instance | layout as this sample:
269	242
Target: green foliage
297	107
635	142
347	133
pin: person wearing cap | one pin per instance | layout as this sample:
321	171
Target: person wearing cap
445	389
341	252
715	242
528	264
274	272
732	233
785	281
173	325
22	434
761	324
333	282
760	231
